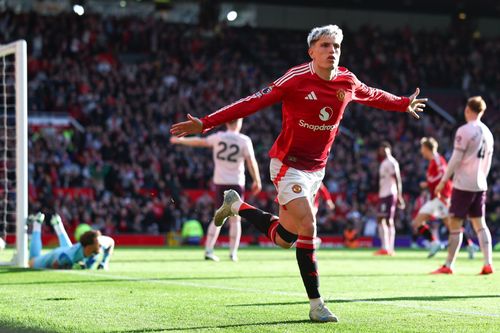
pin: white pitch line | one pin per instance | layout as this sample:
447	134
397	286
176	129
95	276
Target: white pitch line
270	292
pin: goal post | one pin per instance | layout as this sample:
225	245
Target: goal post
14	152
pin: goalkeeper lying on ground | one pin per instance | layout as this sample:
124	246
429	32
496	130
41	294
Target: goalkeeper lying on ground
66	256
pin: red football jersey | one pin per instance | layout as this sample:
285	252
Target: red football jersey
311	112
435	171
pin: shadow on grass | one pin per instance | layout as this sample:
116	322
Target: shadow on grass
118	279
381	299
193	328
8	328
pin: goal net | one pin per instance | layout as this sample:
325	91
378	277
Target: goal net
13	154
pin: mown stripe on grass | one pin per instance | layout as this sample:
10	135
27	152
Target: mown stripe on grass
272	292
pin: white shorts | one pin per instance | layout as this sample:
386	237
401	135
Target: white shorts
435	208
292	183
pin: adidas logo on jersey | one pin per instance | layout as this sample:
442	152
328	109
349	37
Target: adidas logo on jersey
311	96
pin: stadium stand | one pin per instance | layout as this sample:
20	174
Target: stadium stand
126	80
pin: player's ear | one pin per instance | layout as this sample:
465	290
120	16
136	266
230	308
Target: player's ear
310	52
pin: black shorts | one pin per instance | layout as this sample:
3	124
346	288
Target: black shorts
387	207
219	193
467	204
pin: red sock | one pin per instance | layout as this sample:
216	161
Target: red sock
264	222
426	232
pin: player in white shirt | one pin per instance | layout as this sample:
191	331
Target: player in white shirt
390	193
470	164
231	149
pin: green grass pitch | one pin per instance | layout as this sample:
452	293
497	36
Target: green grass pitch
174	290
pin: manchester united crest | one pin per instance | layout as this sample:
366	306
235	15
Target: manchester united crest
296	188
341	95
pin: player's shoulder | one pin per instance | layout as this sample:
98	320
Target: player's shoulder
464	129
344	73
389	161
295	74
239	136
244	137
438	160
486	129
216	134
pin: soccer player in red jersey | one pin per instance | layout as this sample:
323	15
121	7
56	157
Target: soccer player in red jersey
314	96
436	207
324	195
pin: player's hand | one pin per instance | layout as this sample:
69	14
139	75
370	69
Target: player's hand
256	187
174	140
401	202
416	104
330	204
438	189
192	126
423	185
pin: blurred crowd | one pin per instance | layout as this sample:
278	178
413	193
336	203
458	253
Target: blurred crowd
126	80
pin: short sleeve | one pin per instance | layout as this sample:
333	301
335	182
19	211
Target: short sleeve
212	138
461	140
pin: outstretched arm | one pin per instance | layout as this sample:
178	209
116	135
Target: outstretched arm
239	109
381	99
416	104
191	142
108	245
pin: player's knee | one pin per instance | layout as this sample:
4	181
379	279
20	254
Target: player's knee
307	229
478	223
307	225
455	224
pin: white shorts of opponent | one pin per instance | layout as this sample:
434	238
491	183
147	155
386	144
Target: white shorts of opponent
435	207
292	183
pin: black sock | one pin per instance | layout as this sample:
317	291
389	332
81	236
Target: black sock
260	219
426	232
414	237
306	259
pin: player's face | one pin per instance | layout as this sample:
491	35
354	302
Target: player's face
424	151
468	113
325	52
95	247
381	152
